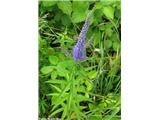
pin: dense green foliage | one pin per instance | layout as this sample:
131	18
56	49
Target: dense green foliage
86	90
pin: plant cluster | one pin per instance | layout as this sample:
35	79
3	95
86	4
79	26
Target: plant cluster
79	60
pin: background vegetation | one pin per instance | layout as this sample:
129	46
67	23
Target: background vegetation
86	90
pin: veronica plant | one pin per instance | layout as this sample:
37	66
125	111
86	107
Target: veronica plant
79	50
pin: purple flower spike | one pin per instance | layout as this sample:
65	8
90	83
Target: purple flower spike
78	53
79	50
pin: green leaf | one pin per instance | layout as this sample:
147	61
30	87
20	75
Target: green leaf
66	20
91	106
66	64
62	97
94	117
89	85
108	12
64	112
106	27
114	36
98	5
78	17
58	17
54	74
81	89
57	81
107	2
81	98
116	46
90	68
114	112
80	10
48	3
101	106
98	15
92	74
56	88
61	56
53	59
61	70
108	44
97	37
76	108
66	7
56	111
47	69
